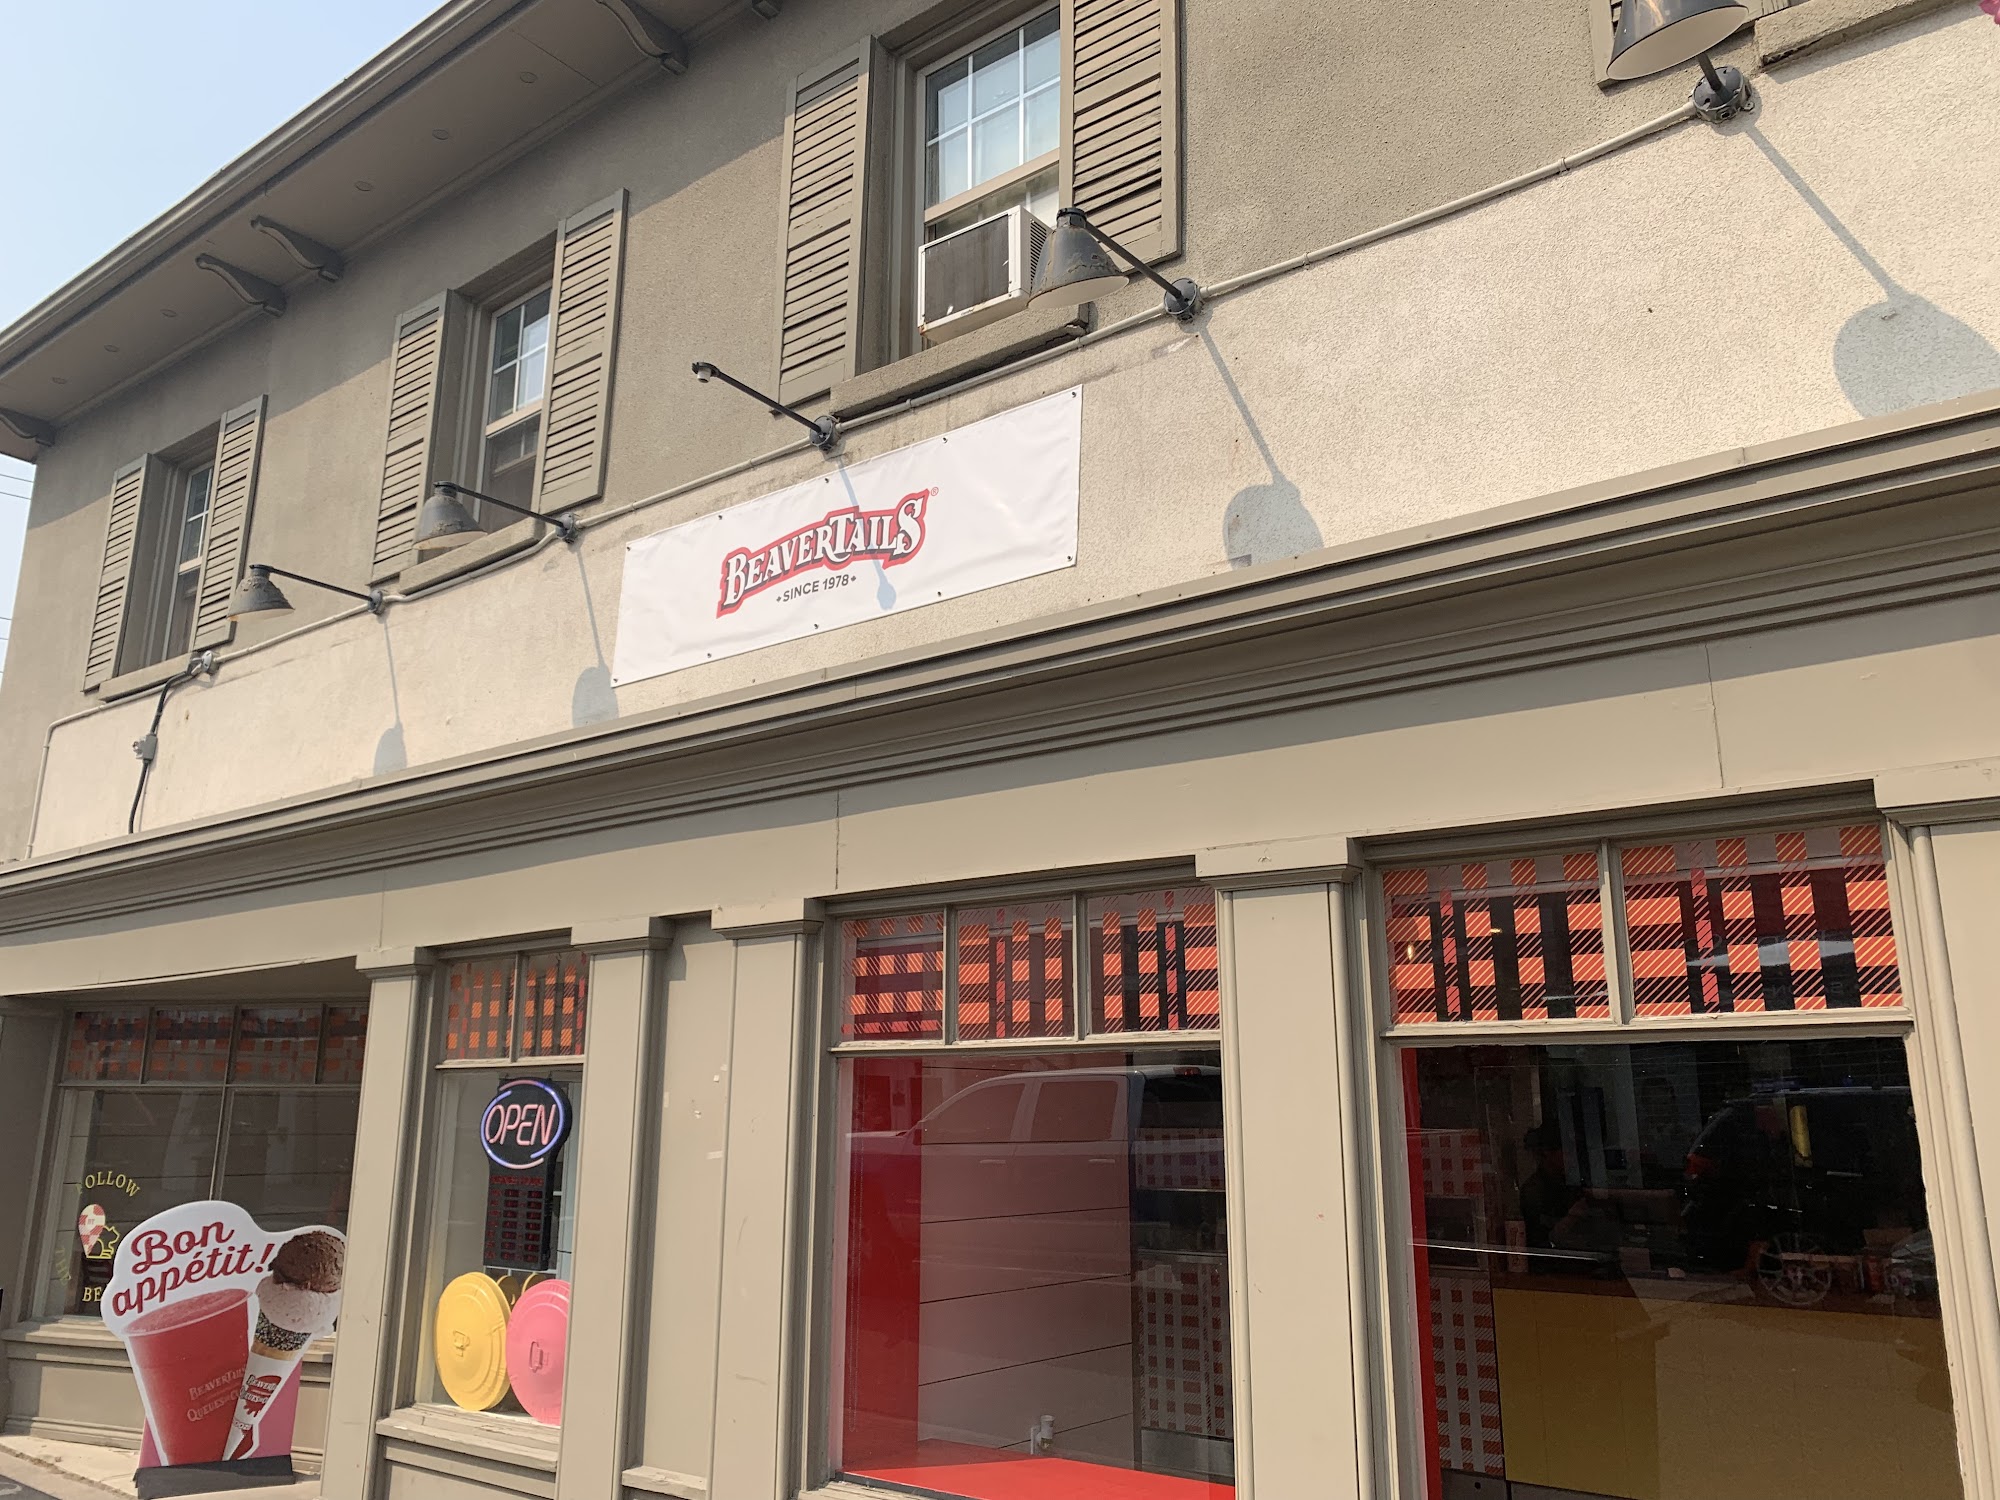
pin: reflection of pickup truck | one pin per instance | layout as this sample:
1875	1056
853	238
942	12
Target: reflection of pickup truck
1052	1141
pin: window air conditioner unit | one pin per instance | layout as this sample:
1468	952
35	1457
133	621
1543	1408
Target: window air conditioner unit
973	276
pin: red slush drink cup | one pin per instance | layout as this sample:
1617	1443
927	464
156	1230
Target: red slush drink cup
189	1357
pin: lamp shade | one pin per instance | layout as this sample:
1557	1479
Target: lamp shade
1654	35
1075	269
444	521
257	595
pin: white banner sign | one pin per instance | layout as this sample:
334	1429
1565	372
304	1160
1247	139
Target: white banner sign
984	505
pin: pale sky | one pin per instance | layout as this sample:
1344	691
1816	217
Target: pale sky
112	111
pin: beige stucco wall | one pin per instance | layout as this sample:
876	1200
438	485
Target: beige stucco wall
1699	291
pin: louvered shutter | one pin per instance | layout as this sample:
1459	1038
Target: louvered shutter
129	492
826	188
238	444
590	253
1121	154
420	406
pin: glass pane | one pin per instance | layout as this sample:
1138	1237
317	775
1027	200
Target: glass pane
948	99
950	166
194	515
189	1044
1014	973
1042	56
996	145
892	978
1044	122
500	393
124	1155
497	1265
531	374
290	1156
1784	921
479	1007
180	613
1152	961
535	323
1678	1268
996	73
507	336
1504	940
346	1044
1032	1267
552	1003
510	471
276	1044
105	1046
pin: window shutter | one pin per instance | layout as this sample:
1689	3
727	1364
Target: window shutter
129	489
826	169
419	403
1122	152
237	447
583	330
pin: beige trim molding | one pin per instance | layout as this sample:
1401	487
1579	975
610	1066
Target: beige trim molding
665	1482
814	731
395	963
781	918
1311	861
1802	28
1954	792
623	935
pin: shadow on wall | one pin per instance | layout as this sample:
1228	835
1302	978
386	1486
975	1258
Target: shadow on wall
391	754
1263	522
593	700
1903	351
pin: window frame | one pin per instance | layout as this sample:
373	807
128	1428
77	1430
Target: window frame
68	1090
1394	1336
156	561
930	213
483	304
813	1474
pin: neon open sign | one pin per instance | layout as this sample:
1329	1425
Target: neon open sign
526	1123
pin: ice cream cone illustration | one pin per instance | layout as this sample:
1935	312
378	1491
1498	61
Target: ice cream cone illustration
90	1227
296	1303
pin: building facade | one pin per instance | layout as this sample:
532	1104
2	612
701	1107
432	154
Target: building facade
1431	947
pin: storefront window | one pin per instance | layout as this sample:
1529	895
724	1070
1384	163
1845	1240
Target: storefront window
165	1105
503	1219
1031	1254
1694	1262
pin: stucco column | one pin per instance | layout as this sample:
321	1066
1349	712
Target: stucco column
756	1427
1305	1422
29	1036
378	1216
615	1124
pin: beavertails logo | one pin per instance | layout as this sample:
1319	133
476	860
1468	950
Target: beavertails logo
889	537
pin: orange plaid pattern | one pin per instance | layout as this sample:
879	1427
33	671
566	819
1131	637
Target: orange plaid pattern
276	1044
1793	920
1014	970
1153	961
552	1001
1499	940
345	1044
189	1045
105	1046
892	974
479	1008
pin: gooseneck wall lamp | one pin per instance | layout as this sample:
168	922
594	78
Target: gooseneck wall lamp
445	522
823	434
1654	35
1075	270
257	595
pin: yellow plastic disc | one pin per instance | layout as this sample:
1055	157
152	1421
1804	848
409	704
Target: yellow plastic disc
471	1341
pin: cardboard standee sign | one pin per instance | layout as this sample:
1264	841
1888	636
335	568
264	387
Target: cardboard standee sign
216	1312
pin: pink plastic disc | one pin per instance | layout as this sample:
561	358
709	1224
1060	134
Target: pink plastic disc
537	1339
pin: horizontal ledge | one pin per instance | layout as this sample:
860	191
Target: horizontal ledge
474	1436
655	1481
1279	862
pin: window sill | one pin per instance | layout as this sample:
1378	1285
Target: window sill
75	1332
1799	29
128	684
665	1482
411	574
1026	332
520	1442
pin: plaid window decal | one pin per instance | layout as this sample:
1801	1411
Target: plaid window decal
893	973
1503	940
1014	976
189	1045
105	1046
1797	920
1153	963
346	1044
479	1008
552	1004
276	1044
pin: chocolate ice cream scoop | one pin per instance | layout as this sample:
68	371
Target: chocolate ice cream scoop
314	1260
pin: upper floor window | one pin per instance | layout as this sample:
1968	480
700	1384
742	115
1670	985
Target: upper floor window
992	125
517	370
165	623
